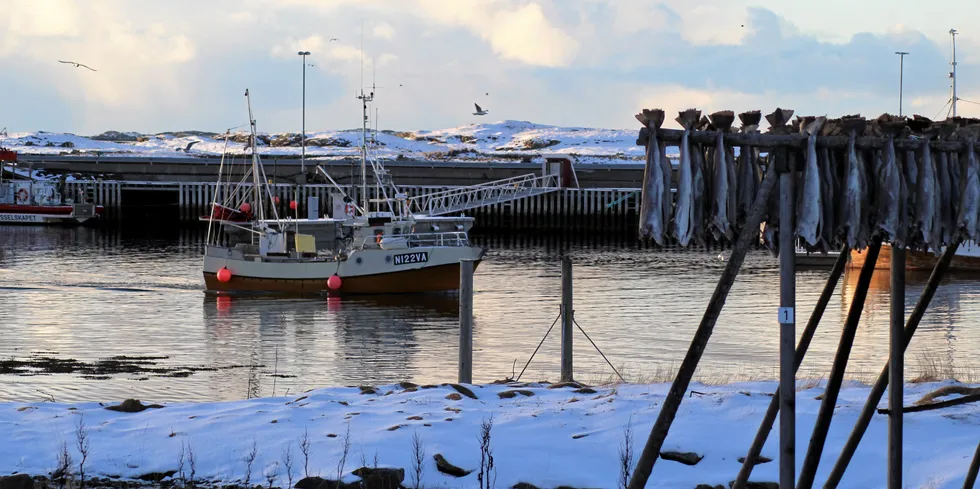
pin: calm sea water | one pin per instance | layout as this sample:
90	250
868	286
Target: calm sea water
105	297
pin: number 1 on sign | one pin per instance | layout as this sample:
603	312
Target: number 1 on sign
787	315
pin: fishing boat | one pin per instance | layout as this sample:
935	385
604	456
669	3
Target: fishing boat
966	258
377	250
32	202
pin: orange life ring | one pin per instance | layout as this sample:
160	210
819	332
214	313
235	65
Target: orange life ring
378	237
22	195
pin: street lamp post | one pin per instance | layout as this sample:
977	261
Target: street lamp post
901	73
302	161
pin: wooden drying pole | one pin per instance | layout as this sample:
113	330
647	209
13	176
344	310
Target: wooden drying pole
971	474
567	319
826	412
798	141
878	389
655	441
465	322
811	327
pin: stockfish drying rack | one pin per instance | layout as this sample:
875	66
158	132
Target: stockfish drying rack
844	184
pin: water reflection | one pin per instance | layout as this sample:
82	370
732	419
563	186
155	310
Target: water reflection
93	293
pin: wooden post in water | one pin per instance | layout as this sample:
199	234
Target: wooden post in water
644	466
787	324
878	389
811	327
896	367
826	412
971	474
465	322
567	319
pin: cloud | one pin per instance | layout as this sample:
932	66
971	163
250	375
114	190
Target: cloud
383	30
518	32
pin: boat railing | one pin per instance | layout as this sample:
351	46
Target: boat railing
415	240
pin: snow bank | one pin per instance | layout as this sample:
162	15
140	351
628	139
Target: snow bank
475	142
552	437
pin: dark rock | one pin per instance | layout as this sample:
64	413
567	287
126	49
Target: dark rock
757	485
561	385
453	396
380	478
132	406
321	483
586	390
366	389
686	458
463	390
67	144
116	136
156	476
758	460
709	486
429	386
18	481
523	485
287	139
512	394
442	465
407	385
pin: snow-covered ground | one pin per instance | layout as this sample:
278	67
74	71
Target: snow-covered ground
475	142
549	438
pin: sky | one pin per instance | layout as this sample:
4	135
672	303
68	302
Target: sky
185	64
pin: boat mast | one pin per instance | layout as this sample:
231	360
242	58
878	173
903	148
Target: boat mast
256	182
364	124
952	74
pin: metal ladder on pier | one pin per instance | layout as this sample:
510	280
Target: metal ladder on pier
461	199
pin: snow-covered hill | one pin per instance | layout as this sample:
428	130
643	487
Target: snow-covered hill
505	140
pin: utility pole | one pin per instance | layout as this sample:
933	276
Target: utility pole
901	73
302	160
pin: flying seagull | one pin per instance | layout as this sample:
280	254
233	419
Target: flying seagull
480	111
188	147
332	39
76	64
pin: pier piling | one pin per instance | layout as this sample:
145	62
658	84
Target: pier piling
465	322
567	319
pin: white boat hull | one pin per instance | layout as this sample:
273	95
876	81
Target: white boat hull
368	271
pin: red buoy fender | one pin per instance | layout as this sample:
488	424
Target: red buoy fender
224	275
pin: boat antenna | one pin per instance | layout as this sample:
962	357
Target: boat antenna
952	74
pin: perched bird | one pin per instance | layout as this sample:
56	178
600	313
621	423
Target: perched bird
76	64
188	147
480	111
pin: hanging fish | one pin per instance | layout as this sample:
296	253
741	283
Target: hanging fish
719	224
855	195
651	194
828	225
667	198
947	217
809	213
770	233
700	192
891	203
926	231
683	223
970	198
747	169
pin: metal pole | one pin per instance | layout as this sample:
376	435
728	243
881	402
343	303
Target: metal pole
971	474
952	74
302	160
655	441
465	322
567	319
896	367
878	389
811	328
787	328
901	73
827	405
